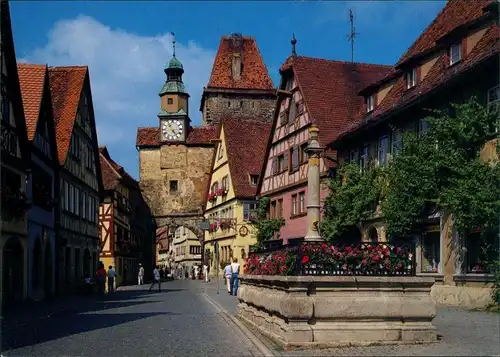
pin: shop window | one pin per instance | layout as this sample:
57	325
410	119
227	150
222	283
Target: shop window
430	252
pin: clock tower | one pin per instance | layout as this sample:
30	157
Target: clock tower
174	104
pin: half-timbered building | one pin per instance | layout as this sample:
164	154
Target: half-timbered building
80	182
231	197
35	89
15	161
455	58
119	245
312	91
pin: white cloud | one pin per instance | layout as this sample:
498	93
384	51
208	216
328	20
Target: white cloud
126	73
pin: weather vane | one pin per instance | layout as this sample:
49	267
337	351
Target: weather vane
351	37
173	42
293	42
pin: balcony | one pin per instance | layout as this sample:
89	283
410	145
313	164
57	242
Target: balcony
222	227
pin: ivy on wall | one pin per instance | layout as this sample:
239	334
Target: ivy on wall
354	196
266	227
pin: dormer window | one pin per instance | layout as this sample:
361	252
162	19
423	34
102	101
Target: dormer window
254	180
455	53
369	103
411	78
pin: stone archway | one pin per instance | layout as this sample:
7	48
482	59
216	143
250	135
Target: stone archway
189	221
13	270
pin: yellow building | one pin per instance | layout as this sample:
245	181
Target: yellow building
231	200
186	249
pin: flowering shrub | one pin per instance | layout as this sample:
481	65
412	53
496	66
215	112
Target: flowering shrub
327	259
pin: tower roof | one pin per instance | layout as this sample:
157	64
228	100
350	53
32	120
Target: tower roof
174	63
172	87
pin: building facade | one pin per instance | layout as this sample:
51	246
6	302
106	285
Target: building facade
231	198
120	245
15	162
175	158
455	58
240	85
186	252
312	91
80	180
35	89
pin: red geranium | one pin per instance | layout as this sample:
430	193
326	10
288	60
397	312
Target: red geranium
305	259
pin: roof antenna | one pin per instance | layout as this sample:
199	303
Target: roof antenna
173	43
293	42
351	37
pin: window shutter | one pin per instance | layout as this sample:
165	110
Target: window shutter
295	158
293	109
274	168
285	162
245	211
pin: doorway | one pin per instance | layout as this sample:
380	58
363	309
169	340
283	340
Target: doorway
13	270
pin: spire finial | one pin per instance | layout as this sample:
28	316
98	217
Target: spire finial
293	42
173	43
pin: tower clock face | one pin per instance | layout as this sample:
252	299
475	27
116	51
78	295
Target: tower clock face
172	130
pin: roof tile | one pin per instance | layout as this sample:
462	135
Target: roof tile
66	84
150	136
254	73
112	173
32	81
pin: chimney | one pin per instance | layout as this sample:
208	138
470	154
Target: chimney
236	43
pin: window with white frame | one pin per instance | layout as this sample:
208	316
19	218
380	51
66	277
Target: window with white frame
369	103
411	78
363	160
302	202
455	53
248	209
294	205
423	127
397	141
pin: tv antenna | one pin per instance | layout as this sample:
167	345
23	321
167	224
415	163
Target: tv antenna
352	35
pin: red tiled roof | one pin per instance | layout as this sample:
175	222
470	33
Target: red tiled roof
438	75
254	74
112	173
246	143
32	81
66	84
196	136
330	90
456	13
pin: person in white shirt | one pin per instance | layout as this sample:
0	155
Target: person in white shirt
140	276
156	275
205	273
235	271
111	279
227	276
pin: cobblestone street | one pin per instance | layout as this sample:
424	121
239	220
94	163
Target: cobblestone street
179	321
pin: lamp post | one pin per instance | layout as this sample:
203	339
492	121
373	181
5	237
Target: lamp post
313	150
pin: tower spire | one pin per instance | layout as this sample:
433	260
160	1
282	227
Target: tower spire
293	42
173	44
352	35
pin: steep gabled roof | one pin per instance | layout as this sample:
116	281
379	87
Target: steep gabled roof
66	85
330	90
112	173
32	82
455	14
254	74
150	136
440	73
245	150
13	79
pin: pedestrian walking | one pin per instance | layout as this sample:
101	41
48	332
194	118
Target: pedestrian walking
235	271
101	279
111	279
227	277
205	273
140	276
156	280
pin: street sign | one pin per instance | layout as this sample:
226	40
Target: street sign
204	225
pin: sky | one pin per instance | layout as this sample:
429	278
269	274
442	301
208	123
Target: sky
126	45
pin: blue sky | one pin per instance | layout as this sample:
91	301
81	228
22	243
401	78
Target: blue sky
125	45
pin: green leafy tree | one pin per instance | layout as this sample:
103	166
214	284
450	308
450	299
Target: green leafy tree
354	196
266	227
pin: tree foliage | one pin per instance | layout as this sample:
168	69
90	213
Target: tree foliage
266	227
354	196
443	169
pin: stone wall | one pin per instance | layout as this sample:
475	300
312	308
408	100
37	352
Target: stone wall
328	311
189	166
218	105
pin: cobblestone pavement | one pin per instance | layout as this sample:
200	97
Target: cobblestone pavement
179	321
462	333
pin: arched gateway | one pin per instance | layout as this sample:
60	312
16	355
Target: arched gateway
195	223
